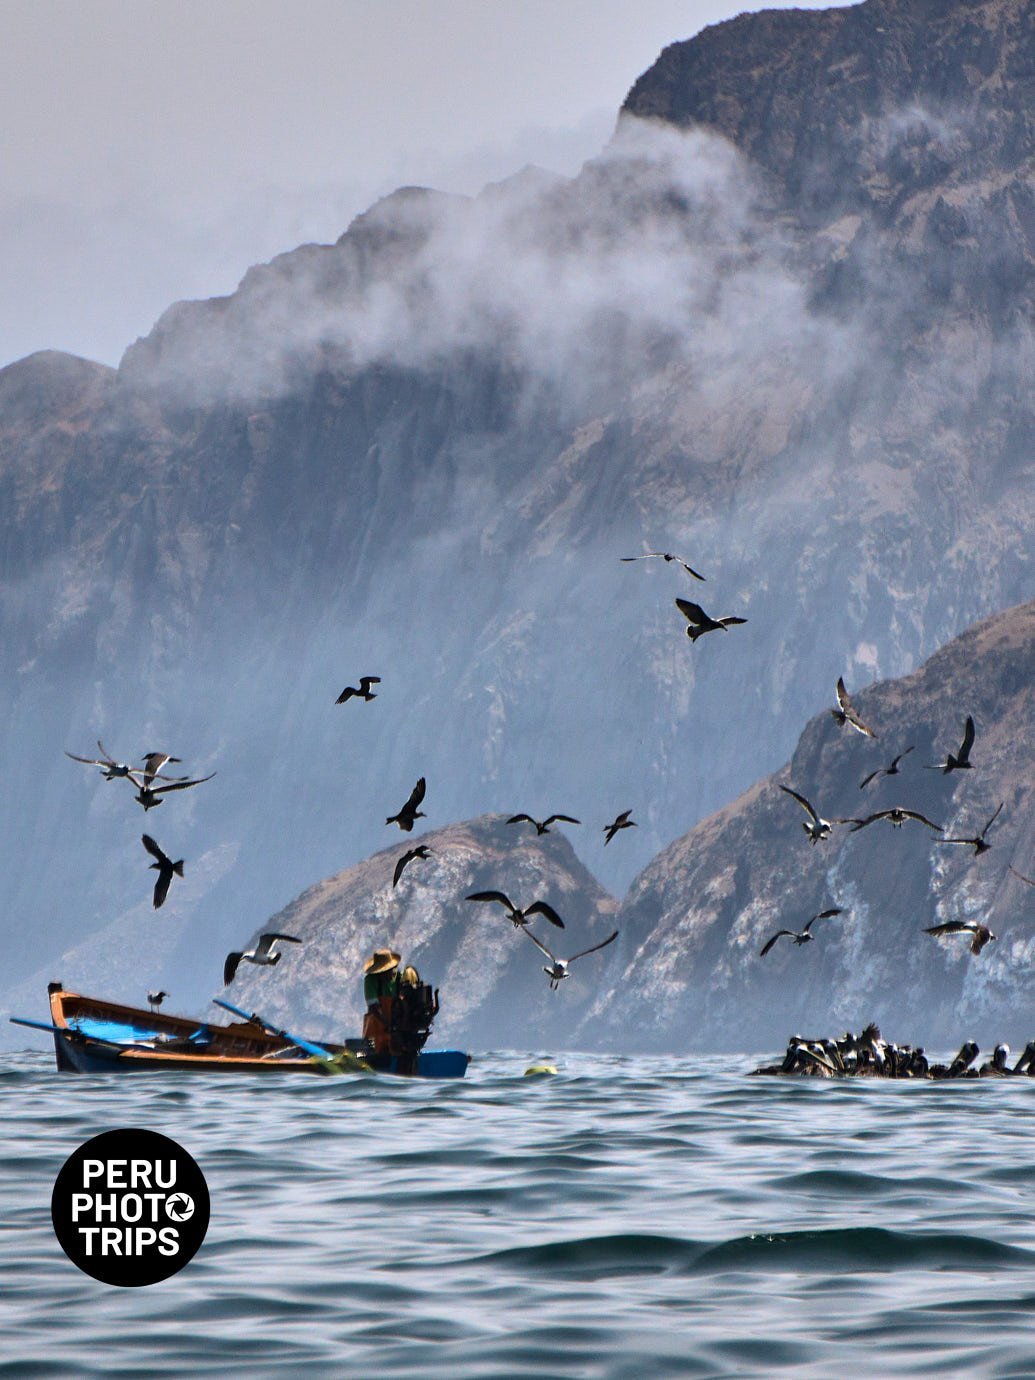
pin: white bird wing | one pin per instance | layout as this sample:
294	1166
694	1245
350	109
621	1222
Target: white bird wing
540	945
806	806
90	761
267	941
951	927
602	945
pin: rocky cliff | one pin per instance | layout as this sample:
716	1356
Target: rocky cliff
780	325
698	916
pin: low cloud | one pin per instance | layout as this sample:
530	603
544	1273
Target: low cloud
661	250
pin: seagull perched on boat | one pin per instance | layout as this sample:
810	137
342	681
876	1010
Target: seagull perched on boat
845	713
979	843
515	914
558	969
409	814
803	936
664	556
981	934
621	822
148	796
363	691
155	999
960	760
421	851
164	866
897	816
700	623
892	770
264	953
542	826
816	827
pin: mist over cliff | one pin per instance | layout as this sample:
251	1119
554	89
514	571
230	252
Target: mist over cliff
780	326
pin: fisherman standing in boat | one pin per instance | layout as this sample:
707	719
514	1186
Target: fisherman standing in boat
380	987
416	1006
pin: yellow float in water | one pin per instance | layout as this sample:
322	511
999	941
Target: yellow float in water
540	1070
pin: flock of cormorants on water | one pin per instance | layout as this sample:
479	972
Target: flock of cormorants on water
867	1054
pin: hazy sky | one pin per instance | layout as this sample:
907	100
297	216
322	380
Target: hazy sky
154	149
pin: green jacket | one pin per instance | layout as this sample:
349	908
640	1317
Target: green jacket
377	985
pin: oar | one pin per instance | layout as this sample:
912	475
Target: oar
330	1063
78	1034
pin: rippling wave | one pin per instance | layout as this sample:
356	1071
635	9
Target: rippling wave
629	1217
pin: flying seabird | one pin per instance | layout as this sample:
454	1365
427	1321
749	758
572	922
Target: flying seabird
148	796
421	851
845	714
802	937
817	828
898	816
111	770
700	623
982	935
409	814
961	759
622	821
891	770
978	844
542	826
665	556
153	764
164	866
515	914
364	691
558	969
155	999
264	954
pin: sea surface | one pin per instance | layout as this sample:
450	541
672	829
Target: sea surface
639	1217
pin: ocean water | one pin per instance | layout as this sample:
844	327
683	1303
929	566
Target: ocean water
630	1217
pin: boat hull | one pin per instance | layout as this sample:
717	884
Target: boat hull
97	1036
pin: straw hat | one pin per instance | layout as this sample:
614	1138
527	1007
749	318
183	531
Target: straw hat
383	961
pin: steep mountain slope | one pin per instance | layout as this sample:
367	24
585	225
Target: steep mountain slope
796	349
699	914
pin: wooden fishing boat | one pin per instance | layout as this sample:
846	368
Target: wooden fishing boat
96	1036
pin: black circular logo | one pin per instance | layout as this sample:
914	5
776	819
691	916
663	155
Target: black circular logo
130	1207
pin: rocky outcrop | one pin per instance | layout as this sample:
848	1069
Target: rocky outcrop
861	108
699	915
493	992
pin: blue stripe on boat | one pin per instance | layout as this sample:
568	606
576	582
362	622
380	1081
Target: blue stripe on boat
122	1032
